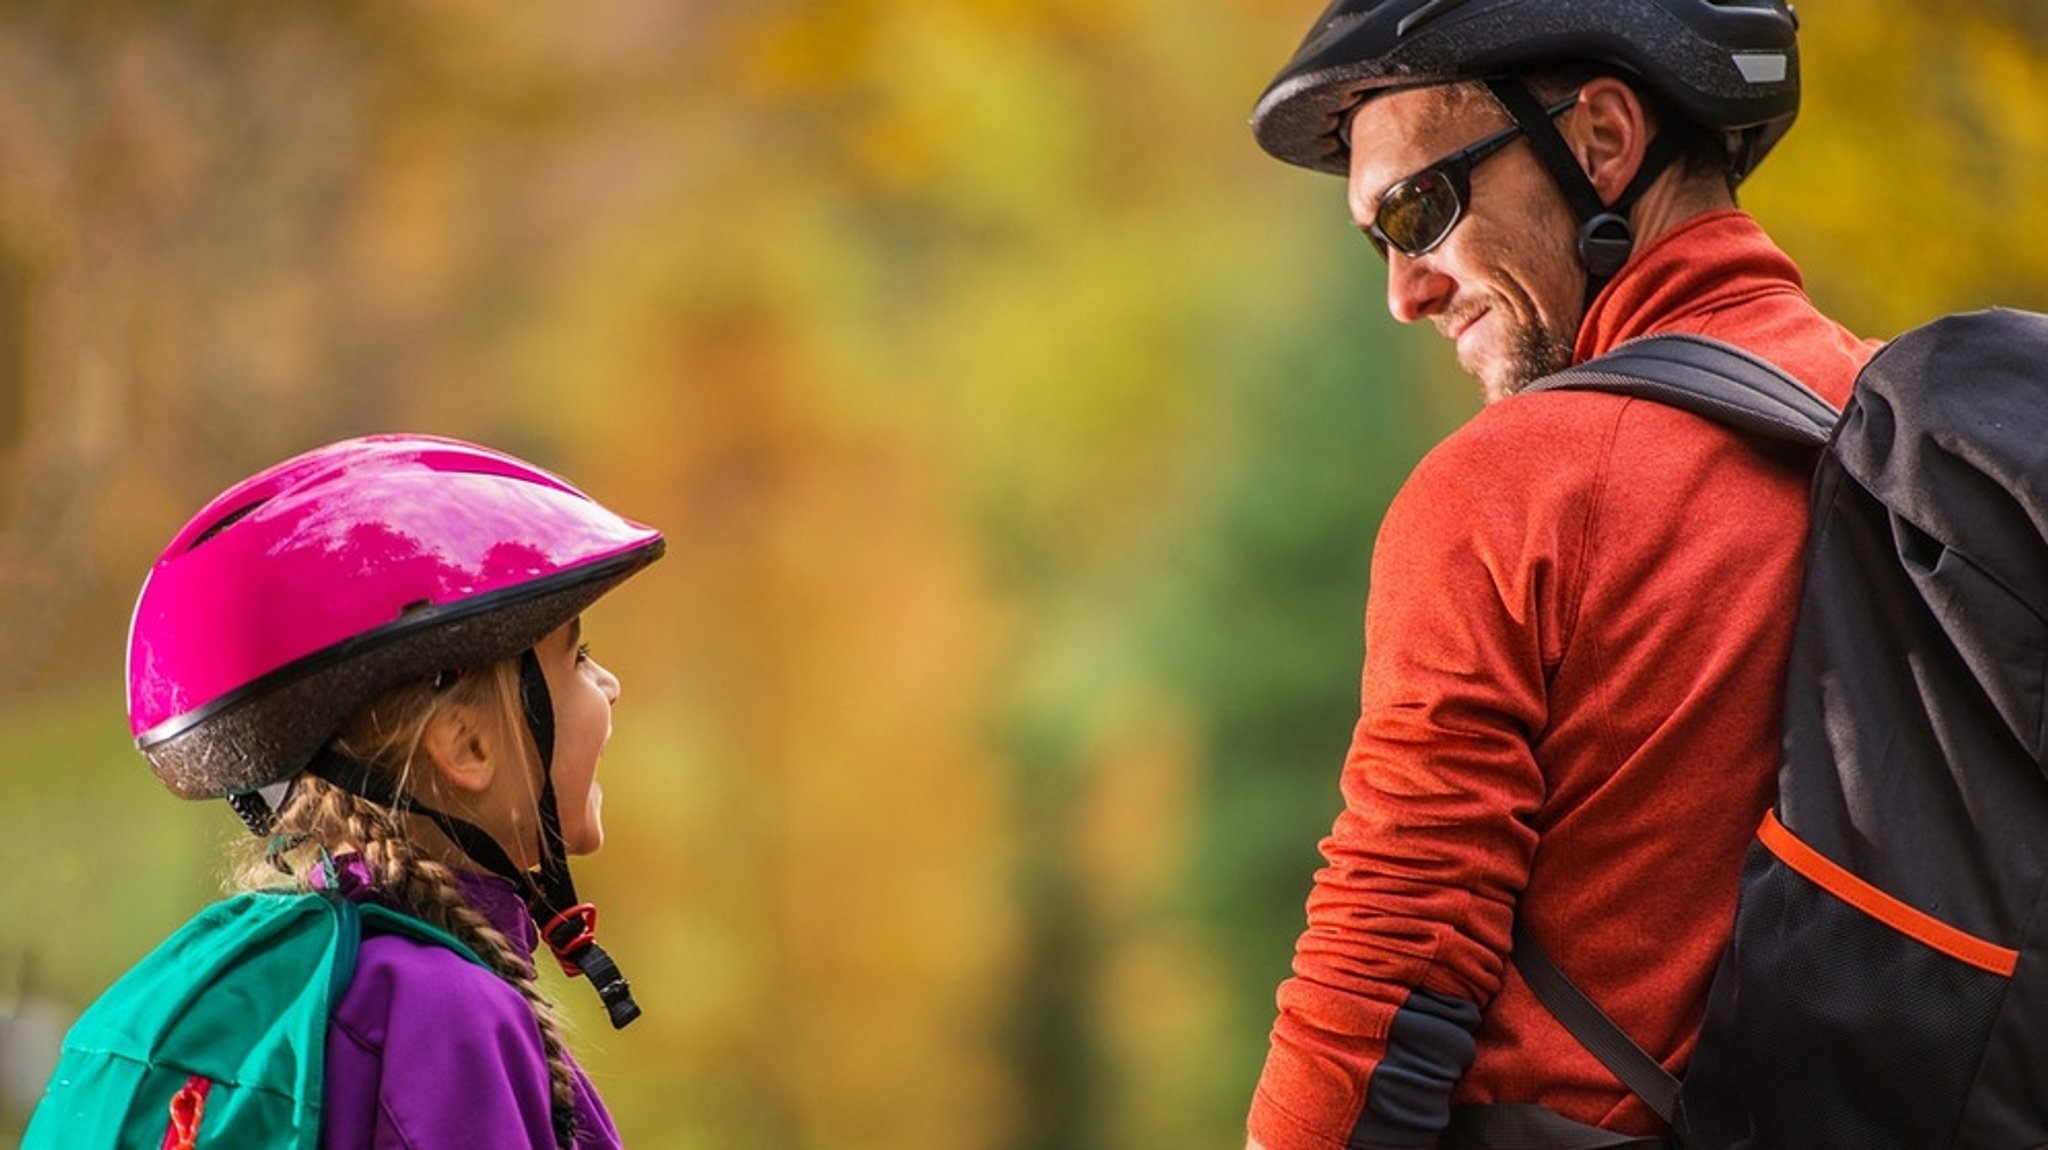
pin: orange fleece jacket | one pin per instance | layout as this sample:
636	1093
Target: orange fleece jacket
1580	612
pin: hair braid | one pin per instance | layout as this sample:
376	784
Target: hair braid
321	819
428	887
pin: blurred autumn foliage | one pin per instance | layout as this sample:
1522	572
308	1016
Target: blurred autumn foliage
1019	430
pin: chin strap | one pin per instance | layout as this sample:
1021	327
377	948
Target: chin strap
1605	239
567	925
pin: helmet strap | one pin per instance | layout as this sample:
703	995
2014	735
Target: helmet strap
568	926
1605	239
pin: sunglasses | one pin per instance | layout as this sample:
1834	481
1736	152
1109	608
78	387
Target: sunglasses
1415	215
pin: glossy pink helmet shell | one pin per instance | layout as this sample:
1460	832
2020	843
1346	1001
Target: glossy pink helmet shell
302	593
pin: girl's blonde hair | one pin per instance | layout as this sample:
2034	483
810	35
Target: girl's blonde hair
320	820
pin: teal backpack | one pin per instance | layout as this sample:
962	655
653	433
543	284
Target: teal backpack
218	1037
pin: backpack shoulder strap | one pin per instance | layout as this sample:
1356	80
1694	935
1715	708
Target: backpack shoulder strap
1523	1126
1709	378
1598	1033
380	919
1727	384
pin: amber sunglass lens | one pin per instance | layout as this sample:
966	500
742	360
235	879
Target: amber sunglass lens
1417	212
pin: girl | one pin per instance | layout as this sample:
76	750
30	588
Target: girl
373	652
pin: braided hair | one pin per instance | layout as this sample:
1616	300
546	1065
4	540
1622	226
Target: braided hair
320	820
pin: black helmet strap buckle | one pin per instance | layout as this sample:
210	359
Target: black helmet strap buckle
1605	243
1605	239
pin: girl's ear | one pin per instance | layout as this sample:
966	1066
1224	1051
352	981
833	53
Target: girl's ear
460	747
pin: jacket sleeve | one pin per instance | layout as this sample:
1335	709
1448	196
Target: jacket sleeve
1410	917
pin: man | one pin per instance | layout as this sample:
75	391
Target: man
1581	603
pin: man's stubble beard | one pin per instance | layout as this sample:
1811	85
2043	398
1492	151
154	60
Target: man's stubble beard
1535	351
1538	352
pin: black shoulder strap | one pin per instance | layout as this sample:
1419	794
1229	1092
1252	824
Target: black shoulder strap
1709	378
1515	1126
1524	1126
1590	1025
1725	383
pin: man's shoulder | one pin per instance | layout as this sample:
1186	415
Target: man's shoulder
1557	449
1528	431
1523	456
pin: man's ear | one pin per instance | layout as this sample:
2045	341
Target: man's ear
1609	134
460	747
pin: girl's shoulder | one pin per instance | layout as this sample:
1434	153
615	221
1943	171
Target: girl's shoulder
406	986
427	1043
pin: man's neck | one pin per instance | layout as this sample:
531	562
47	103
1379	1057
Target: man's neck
1673	198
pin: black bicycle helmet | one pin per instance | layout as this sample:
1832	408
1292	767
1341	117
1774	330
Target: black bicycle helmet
1731	65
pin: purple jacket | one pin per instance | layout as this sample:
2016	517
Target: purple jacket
426	1050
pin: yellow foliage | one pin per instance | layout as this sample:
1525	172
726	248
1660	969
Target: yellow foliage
1907	187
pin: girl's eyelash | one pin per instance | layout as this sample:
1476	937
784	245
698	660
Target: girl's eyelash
582	652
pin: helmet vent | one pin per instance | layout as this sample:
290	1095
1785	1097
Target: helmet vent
223	523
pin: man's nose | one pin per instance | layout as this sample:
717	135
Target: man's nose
1415	288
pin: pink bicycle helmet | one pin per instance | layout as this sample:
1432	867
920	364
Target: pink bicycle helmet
302	593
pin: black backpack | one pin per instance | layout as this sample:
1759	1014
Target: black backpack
1885	984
